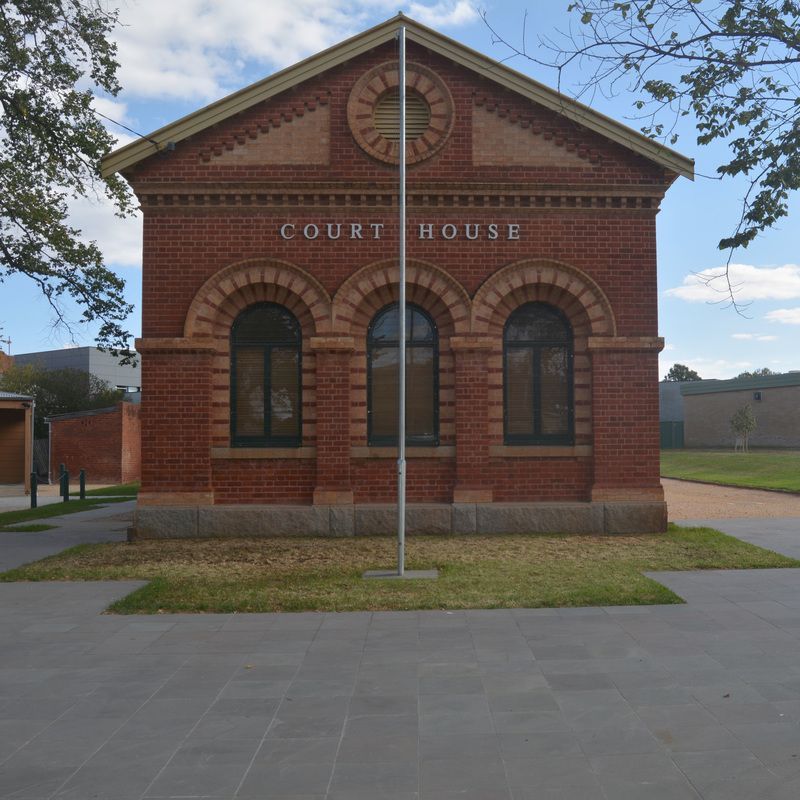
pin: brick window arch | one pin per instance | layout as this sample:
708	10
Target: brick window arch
422	377
538	351
266	402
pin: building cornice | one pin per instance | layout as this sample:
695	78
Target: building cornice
336	197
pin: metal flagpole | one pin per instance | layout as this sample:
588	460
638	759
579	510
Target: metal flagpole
401	356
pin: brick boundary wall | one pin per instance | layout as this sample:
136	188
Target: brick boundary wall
106	442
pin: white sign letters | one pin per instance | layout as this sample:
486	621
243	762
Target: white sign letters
450	231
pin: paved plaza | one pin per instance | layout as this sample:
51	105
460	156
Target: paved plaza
693	701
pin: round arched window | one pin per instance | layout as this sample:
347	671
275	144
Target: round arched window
422	383
537	367
265	378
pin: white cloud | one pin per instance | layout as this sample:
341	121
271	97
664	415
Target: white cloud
756	337
111	108
199	50
749	283
445	13
668	348
788	316
120	240
113	111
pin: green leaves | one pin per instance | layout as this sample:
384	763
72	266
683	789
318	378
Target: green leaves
732	65
681	373
55	57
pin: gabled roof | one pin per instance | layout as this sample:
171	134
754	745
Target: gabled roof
235	103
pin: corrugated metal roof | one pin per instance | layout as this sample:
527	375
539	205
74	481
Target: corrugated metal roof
13	396
741	384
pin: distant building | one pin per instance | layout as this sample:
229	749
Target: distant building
709	406
671	413
88	359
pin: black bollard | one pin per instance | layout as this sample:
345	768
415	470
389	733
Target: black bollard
82	483
61	470
34	490
65	486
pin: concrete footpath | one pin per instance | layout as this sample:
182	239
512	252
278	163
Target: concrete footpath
106	524
659	702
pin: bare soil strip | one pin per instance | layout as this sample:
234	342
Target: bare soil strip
686	500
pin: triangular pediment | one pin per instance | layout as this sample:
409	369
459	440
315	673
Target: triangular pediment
509	79
302	137
499	140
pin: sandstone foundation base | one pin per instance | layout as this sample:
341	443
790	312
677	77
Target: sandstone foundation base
175	522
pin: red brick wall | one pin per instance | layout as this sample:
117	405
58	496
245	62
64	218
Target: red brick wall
263	481
107	445
626	439
131	443
592	209
176	421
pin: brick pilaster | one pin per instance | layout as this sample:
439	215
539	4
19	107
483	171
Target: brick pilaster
472	419
176	421
625	410
333	419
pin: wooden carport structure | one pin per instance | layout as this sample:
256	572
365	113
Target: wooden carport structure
16	439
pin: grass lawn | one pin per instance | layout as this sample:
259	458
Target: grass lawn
37	527
298	574
53	510
120	490
758	469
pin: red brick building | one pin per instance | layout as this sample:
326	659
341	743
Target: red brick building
106	442
270	274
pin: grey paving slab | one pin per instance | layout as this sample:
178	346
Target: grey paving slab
781	534
700	700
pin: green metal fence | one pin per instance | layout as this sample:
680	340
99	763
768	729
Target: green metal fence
671	435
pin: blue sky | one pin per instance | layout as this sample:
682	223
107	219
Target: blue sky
178	56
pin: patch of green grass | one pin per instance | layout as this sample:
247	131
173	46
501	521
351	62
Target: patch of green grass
120	490
300	574
55	510
35	528
758	469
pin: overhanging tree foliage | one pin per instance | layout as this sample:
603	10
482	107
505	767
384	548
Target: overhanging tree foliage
54	56
731	65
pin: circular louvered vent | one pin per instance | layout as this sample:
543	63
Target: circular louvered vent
386	116
373	113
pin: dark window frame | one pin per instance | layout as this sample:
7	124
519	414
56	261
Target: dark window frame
267	440
536	346
411	441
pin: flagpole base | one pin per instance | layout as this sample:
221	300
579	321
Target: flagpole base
408	575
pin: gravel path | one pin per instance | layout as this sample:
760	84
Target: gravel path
686	500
